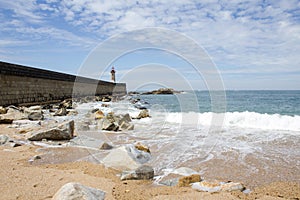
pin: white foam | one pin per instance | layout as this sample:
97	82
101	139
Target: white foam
240	119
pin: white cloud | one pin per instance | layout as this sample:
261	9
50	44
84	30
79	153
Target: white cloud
261	36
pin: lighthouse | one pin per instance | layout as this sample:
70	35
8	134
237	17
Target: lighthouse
113	74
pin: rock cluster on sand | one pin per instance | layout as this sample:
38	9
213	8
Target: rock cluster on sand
112	122
73	191
63	131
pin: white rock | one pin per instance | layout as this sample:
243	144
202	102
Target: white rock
204	187
76	191
120	159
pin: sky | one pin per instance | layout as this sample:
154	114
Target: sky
251	44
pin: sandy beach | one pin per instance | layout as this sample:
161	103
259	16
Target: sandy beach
23	180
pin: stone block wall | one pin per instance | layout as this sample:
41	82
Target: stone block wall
20	84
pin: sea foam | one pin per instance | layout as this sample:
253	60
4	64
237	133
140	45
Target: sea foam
240	119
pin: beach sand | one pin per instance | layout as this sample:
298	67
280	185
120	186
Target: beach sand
22	180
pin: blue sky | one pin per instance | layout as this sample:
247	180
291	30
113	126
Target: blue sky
254	44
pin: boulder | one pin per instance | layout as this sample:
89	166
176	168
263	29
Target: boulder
139	156
216	186
15	113
126	158
120	159
4	119
124	118
3	139
66	104
63	131
126	126
205	186
105	146
61	112
142	147
143	114
143	172
111	117
109	126
73	191
3	110
105	105
34	116
185	181
172	178
99	114
128	175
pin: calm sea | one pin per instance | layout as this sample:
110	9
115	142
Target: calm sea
262	101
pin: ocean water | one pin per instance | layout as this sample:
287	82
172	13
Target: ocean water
260	101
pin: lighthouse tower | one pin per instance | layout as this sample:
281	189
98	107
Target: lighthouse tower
113	74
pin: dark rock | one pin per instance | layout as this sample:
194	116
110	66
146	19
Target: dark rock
109	126
145	172
73	191
104	105
36	116
15	144
94	110
105	146
140	107
6	119
63	131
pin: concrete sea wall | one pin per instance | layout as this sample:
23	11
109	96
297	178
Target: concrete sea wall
21	85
